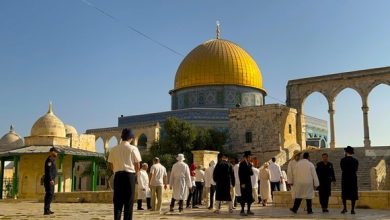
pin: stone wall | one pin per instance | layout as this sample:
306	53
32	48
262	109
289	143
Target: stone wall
272	129
379	176
96	197
83	141
367	199
31	171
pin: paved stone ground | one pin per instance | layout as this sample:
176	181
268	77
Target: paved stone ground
93	211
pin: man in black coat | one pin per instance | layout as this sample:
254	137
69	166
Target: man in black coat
349	184
223	176
325	173
49	178
244	173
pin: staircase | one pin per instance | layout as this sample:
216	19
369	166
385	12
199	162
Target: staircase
335	155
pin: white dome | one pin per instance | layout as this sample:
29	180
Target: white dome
48	125
69	129
11	139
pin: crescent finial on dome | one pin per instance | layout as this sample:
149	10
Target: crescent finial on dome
218	31
50	111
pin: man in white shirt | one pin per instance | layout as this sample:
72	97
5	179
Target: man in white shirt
199	183
143	187
276	176
124	160
158	178
237	186
210	185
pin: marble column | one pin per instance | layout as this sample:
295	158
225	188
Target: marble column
367	142
331	112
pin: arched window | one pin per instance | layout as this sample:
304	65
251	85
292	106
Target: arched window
142	141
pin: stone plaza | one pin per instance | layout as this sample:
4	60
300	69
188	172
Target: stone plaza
17	209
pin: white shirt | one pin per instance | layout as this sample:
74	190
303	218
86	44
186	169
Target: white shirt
199	175
158	172
208	176
143	180
275	171
255	177
123	156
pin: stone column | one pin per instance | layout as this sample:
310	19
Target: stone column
204	157
301	137
331	112
105	145
1	177
367	142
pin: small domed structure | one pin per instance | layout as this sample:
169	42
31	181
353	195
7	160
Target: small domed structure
69	129
49	125
11	139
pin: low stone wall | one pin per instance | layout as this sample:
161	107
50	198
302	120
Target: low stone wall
95	197
367	200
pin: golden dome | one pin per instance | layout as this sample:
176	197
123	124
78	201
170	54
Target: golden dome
48	125
11	139
69	129
218	62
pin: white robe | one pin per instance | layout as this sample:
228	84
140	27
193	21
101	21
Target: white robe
265	185
180	179
283	184
143	183
305	179
237	180
290	175
208	176
255	178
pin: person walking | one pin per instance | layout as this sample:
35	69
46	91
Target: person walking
255	183
283	184
325	173
124	159
143	187
237	190
179	180
265	184
223	176
49	179
305	182
276	176
210	185
349	183
290	171
192	192
199	184
158	179
244	173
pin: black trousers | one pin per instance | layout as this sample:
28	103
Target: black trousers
172	205
297	203
49	193
124	186
198	193
212	192
191	197
324	199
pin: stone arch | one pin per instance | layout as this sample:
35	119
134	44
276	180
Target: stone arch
362	81
142	141
99	143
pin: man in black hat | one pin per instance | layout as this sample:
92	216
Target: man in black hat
349	187
48	180
244	173
124	160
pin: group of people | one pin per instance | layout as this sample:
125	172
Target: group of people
232	182
304	179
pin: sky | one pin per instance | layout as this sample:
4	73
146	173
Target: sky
95	68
